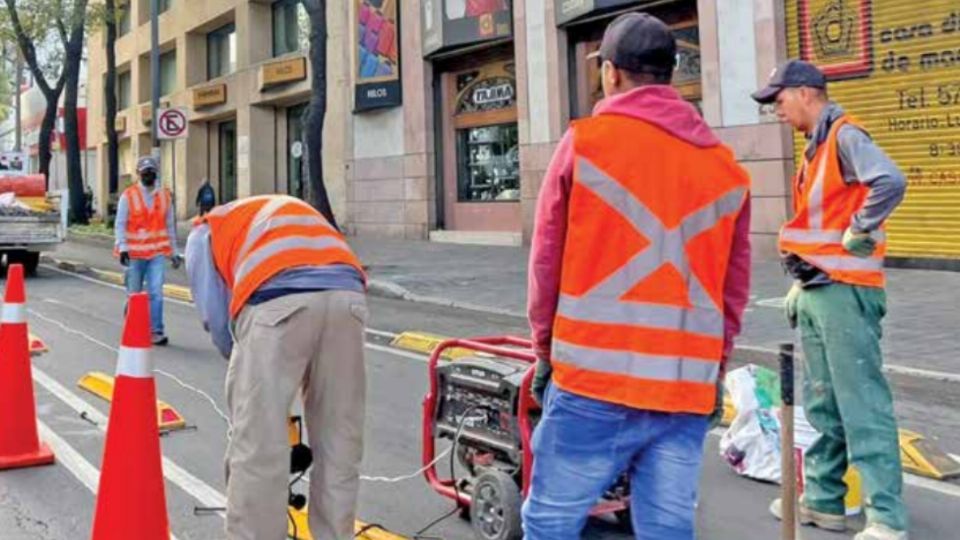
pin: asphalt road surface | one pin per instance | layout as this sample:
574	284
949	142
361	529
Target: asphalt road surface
81	322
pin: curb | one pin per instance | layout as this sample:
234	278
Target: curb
394	291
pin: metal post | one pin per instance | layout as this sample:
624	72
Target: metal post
173	174
788	471
154	73
18	120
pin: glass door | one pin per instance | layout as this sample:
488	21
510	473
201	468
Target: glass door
296	172
228	161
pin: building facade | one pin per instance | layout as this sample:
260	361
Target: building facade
443	114
490	86
241	72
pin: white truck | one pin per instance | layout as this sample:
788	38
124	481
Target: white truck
26	232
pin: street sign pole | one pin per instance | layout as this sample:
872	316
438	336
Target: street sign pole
154	74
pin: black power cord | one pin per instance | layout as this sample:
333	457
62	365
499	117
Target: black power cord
453	475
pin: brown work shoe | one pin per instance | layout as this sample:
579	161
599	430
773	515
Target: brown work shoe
806	516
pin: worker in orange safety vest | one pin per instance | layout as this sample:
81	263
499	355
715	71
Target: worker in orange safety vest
639	275
146	236
283	297
834	248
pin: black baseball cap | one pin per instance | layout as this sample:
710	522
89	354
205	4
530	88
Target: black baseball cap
793	74
640	43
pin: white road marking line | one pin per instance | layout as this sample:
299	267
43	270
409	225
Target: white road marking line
76	464
941	376
190	484
381	333
397	352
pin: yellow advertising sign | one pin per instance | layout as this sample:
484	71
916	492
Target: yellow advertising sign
894	66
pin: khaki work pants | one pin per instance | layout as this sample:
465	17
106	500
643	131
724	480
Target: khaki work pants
312	342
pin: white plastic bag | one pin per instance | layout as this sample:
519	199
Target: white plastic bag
752	443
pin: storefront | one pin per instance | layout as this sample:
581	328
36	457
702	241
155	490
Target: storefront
585	22
892	65
470	45
296	170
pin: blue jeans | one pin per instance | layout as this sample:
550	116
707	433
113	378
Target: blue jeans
149	273
582	446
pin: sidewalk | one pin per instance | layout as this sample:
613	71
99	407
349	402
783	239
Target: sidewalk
920	329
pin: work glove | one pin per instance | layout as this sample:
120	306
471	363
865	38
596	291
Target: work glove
176	261
717	415
124	258
541	377
860	244
790	304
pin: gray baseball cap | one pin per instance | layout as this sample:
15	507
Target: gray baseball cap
640	43
147	163
793	74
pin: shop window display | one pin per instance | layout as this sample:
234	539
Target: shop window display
487	138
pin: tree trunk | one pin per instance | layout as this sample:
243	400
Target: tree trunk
74	51
113	144
317	110
47	126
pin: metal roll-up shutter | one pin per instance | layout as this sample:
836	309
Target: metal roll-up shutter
895	66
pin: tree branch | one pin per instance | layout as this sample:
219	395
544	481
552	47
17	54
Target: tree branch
29	51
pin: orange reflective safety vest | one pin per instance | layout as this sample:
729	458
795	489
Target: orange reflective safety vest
256	238
651	222
147	235
824	205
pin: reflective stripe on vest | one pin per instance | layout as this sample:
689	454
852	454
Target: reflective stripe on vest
641	366
811	236
601	304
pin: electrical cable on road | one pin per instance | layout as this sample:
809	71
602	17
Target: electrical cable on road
453	476
419	535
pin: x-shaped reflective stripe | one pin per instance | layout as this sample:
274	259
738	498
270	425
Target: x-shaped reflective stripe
602	303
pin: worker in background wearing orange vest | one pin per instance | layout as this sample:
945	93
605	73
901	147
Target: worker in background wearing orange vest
834	249
146	236
273	270
639	275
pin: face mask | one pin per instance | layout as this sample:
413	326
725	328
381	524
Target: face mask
149	178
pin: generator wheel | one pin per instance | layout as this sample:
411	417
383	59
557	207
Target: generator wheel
495	509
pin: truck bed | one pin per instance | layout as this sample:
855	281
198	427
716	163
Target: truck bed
30	230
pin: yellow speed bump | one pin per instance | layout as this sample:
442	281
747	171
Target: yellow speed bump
729	409
101	385
37	346
110	277
178	293
920	456
370	532
423	342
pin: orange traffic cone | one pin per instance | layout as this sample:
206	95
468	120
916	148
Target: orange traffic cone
19	444
131	502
